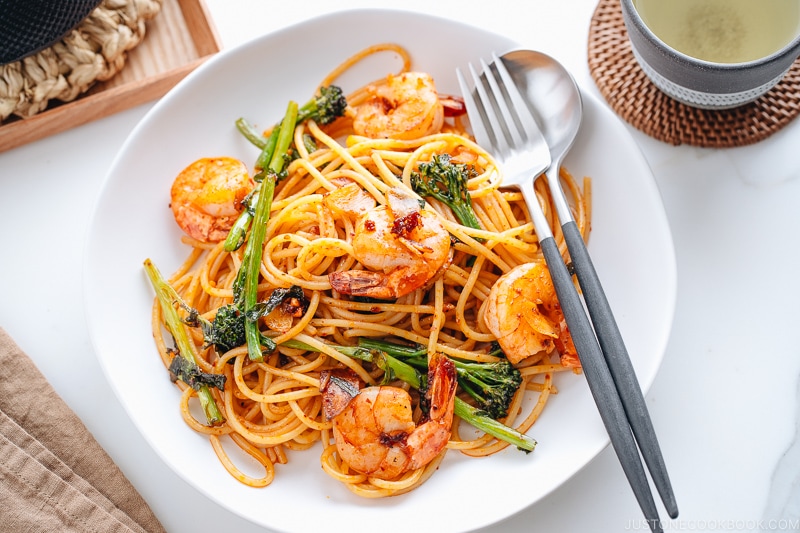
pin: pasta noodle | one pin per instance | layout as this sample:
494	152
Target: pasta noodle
273	408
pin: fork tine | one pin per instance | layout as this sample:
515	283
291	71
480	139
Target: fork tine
476	113
527	122
509	126
490	114
513	137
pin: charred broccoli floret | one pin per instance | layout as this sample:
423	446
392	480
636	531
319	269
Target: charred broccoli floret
225	332
447	182
228	331
324	108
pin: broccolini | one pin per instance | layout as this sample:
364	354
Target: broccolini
186	368
447	182
492	384
395	368
323	108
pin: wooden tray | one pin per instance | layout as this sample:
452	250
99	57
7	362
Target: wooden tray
178	39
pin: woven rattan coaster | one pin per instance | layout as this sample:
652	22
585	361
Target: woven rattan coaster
632	95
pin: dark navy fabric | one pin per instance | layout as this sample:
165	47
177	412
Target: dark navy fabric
28	26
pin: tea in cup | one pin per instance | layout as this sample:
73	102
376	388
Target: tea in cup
714	53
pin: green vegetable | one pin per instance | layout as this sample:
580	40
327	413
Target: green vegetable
245	286
190	373
492	385
275	299
225	332
395	368
251	133
324	108
447	182
268	152
187	369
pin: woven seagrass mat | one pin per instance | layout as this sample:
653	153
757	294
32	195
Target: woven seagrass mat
632	95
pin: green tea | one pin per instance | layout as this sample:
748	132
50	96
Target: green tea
723	31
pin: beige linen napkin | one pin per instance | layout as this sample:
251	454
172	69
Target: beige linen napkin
54	476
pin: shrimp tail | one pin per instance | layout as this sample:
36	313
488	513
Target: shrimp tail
431	437
566	347
442	388
382	286
362	283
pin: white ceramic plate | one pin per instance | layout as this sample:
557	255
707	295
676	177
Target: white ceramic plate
630	243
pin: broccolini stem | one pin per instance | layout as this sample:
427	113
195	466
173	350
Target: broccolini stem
251	262
239	229
250	133
167	295
405	372
466	215
490	426
251	265
324	108
391	348
270	149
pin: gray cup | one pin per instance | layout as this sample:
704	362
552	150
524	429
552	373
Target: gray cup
704	84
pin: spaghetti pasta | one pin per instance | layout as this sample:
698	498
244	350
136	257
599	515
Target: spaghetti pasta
274	407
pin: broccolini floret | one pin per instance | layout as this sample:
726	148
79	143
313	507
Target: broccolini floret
447	182
492	384
325	107
225	332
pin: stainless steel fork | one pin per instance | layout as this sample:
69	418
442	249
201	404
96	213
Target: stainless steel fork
503	123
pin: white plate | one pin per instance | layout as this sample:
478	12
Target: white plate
630	242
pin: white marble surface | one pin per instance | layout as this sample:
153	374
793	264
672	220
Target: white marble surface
725	402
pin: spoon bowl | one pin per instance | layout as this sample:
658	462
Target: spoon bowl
552	97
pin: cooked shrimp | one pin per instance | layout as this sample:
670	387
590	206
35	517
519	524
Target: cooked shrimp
375	433
405	247
206	197
406	107
523	312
